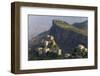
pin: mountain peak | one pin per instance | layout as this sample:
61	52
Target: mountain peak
59	21
66	26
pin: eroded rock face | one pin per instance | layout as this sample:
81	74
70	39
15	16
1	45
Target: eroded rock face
67	39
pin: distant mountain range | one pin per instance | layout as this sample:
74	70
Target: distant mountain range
67	36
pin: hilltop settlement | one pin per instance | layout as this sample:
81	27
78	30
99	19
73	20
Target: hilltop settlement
62	41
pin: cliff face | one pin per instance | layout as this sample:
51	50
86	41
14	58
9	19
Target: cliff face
68	36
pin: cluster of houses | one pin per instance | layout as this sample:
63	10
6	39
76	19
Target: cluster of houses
78	52
48	45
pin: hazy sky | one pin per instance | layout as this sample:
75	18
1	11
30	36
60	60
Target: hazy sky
38	24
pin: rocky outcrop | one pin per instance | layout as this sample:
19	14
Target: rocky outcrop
66	38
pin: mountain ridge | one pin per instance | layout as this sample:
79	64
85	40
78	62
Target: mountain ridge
67	26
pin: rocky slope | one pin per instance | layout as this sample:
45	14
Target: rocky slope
67	36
